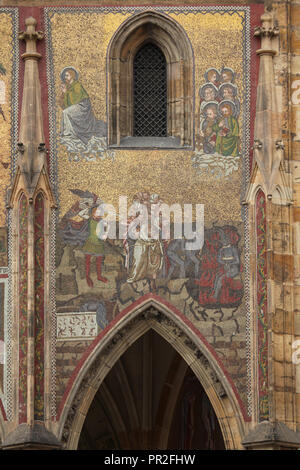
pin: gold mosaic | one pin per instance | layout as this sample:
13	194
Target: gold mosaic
217	41
6	52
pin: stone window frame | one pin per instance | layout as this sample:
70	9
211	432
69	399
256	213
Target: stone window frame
170	37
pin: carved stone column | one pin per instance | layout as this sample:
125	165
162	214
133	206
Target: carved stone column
269	200
31	200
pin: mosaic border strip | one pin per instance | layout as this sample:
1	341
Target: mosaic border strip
8	391
52	309
14	90
134	9
48	13
245	209
4	280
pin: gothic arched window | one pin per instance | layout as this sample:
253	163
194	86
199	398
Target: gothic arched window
150	84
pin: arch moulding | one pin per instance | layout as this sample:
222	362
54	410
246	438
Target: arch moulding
100	359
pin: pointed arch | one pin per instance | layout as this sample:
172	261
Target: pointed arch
278	195
281	191
125	330
165	33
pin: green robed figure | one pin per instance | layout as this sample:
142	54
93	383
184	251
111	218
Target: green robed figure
74	93
227	130
78	121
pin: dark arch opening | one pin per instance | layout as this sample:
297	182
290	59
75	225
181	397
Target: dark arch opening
151	399
149	92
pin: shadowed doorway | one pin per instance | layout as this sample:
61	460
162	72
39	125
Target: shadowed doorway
150	399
